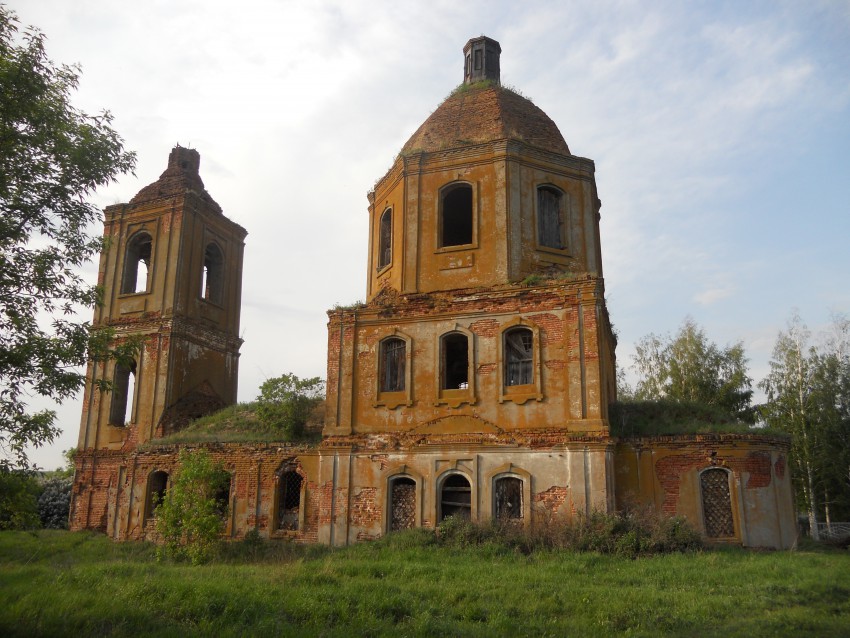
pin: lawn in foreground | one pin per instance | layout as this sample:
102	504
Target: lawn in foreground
60	583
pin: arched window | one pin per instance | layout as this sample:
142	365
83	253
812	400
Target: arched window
212	280
456	215
393	362
137	263
289	500
402	503
550	218
385	243
716	503
121	410
454	361
519	356
508	498
157	486
455	497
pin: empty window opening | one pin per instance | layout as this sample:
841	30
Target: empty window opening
289	500
550	219
121	410
157	486
519	357
455	363
508	498
402	503
455	497
221	493
478	60
212	279
137	264
456	216
393	361
717	504
385	245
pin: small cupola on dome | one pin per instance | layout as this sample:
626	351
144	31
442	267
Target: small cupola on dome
481	60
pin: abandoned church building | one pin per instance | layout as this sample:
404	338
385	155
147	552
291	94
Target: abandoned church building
474	381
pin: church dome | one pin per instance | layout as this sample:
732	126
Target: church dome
481	110
485	112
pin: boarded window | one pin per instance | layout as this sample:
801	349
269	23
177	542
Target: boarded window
455	497
157	485
455	361
519	356
550	222
385	244
402	503
717	504
137	264
289	500
508	498
123	394
393	361
212	279
456	223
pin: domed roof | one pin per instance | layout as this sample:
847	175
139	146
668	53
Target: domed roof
484	112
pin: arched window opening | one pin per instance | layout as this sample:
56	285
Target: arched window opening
157	486
455	497
519	356
550	218
121	410
455	361
456	222
289	500
717	503
137	264
212	279
402	503
385	243
508	495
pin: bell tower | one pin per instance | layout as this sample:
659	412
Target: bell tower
171	274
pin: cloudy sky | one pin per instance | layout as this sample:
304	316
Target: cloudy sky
720	132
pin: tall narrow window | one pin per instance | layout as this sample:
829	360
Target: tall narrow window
221	492
289	500
550	218
137	264
123	394
385	245
455	361
402	503
508	496
519	356
393	362
455	497
717	503
212	279
157	486
456	220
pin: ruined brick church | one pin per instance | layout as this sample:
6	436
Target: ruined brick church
475	381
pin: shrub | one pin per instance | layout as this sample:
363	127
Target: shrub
191	517
285	403
18	499
54	504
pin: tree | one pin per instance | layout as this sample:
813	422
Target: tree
192	513
286	402
52	157
54	502
808	395
689	368
18	499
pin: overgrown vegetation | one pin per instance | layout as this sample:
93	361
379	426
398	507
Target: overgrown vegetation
191	517
285	403
61	583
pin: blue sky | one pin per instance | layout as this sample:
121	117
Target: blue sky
720	132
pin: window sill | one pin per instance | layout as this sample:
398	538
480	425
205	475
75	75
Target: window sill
380	270
455	398
560	252
521	394
392	400
459	247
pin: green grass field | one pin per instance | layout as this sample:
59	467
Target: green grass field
81	584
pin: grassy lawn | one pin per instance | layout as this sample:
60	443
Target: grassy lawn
81	584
